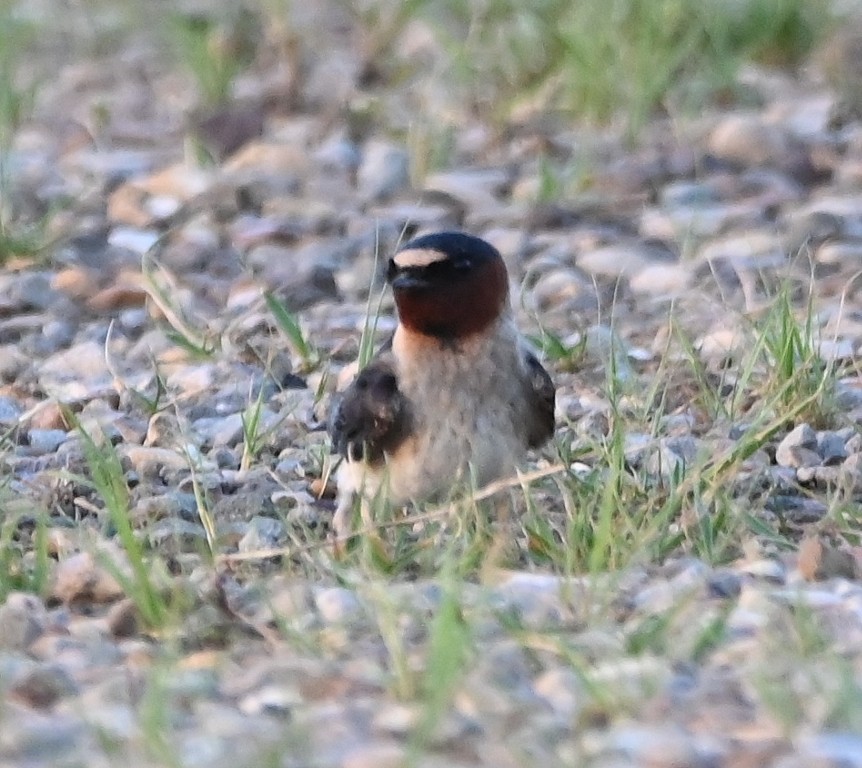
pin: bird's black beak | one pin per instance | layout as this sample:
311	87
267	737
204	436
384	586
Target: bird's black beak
409	280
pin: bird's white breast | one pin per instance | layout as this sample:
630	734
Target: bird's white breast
468	404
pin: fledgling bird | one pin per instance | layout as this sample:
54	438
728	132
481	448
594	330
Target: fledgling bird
456	390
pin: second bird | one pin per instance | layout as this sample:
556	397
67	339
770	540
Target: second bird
456	391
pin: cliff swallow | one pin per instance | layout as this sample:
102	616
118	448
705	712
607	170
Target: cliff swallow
455	394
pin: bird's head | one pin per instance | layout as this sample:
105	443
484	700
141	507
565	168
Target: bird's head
448	285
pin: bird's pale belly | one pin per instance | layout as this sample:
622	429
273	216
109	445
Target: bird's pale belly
469	425
476	444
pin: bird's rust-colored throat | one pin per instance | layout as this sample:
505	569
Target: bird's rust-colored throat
455	309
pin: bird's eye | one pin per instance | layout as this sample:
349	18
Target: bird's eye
463	265
387	385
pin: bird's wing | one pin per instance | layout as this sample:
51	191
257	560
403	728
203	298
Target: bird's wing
372	416
541	397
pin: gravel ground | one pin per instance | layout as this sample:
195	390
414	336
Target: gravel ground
147	325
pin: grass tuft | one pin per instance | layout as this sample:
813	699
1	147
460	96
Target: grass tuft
108	480
288	323
447	657
600	60
206	48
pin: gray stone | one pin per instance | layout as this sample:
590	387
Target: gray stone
637	446
14	329
828	217
475	188
26	292
766	569
337	605
827	748
42	686
42	441
848	393
79	373
247	503
750	141
10	411
57	334
678	194
225	458
12	362
51	740
192	379
667	746
831	447
271	700
136	240
798	448
194	683
152	508
603	344
720	344
661	279
673	454
221	431
164	430
301	277
801	510
699	222
535	599
381	754
852	472
426	216
150	462
178	536
22	619
619	260
559	287
724	583
853	443
665	461
749	251
384	170
839	253
820	476
80	578
563	690
262	533
123	618
338	152
833	350
396	719
134	320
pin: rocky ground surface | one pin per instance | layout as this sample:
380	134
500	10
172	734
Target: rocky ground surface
145	325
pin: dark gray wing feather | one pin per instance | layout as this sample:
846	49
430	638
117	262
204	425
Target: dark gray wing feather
541	396
372	416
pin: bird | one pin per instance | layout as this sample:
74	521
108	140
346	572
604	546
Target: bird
455	394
